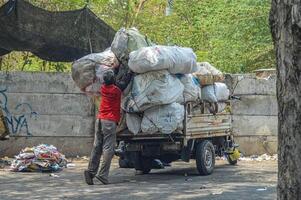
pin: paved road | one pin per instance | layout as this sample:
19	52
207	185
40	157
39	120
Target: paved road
248	180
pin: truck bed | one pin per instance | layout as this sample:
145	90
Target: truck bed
196	125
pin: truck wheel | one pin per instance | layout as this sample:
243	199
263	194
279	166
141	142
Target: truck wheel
123	163
205	157
141	163
146	165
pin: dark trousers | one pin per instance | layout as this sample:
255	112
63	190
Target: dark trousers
104	144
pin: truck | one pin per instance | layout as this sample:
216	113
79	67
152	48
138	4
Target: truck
205	134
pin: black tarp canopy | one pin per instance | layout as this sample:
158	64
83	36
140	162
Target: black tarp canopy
53	36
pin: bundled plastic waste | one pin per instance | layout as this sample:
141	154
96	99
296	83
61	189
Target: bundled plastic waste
133	122
128	40
87	71
207	74
177	60
153	89
42	158
192	88
217	92
164	119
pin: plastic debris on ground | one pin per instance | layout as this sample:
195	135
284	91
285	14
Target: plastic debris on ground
42	158
263	157
261	189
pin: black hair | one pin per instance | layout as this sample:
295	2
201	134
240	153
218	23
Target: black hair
108	77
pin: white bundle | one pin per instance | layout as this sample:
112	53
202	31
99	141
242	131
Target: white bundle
152	89
192	90
207	74
133	122
164	119
215	93
87	71
177	60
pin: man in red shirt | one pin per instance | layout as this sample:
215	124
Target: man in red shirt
107	120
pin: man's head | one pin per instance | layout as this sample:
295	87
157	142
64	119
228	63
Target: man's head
109	77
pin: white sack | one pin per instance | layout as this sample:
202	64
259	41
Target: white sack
192	90
177	60
126	41
164	119
87	71
215	93
133	122
152	89
207	74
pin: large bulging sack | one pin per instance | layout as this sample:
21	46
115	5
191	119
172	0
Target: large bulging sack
207	74
177	60
192	90
87	71
215	93
163	119
126	41
133	122
152	89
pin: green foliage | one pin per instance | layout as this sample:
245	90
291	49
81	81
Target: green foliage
233	35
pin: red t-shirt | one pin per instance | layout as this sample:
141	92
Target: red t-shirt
109	108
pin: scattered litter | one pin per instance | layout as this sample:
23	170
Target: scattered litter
263	157
70	165
217	192
262	189
54	175
42	158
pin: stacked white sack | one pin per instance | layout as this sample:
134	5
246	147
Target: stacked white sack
128	40
87	71
164	119
192	89
177	60
215	93
207	74
153	89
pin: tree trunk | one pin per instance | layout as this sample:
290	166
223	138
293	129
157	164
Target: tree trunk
285	22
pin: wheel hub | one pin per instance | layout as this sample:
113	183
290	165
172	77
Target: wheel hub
208	158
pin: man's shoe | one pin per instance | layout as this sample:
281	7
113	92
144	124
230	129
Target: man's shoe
88	177
102	180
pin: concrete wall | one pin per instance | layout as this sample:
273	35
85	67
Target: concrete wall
255	121
45	108
49	108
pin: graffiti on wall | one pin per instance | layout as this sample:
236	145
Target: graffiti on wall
17	119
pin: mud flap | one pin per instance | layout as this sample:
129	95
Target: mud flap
186	151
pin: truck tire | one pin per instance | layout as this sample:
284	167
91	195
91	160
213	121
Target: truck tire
205	157
146	164
142	163
124	163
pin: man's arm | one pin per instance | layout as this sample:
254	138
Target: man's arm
124	81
